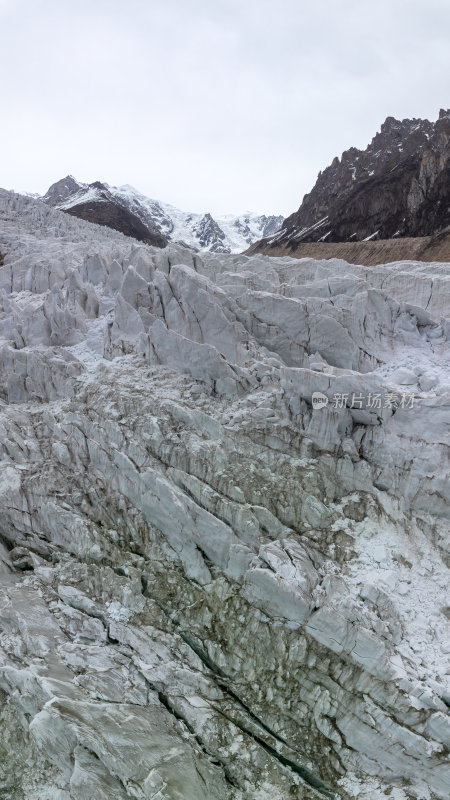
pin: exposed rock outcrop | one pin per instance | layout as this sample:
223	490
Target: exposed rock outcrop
397	187
211	588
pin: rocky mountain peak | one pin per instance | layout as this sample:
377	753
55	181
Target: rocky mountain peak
399	186
102	187
210	234
61	190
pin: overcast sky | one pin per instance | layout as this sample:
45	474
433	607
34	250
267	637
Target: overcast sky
218	105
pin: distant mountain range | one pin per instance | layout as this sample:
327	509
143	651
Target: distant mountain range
129	211
399	186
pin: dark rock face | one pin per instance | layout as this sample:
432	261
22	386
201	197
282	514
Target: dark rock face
61	190
209	232
112	215
97	204
399	186
272	224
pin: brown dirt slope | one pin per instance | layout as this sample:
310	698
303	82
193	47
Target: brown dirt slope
382	251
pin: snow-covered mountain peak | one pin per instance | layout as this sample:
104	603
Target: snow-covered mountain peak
226	234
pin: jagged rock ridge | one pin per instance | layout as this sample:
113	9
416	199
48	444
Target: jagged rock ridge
129	211
398	187
210	589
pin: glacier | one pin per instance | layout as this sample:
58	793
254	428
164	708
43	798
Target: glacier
209	588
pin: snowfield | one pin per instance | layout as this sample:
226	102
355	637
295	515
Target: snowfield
210	590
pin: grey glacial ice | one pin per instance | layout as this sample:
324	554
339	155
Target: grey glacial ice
209	589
